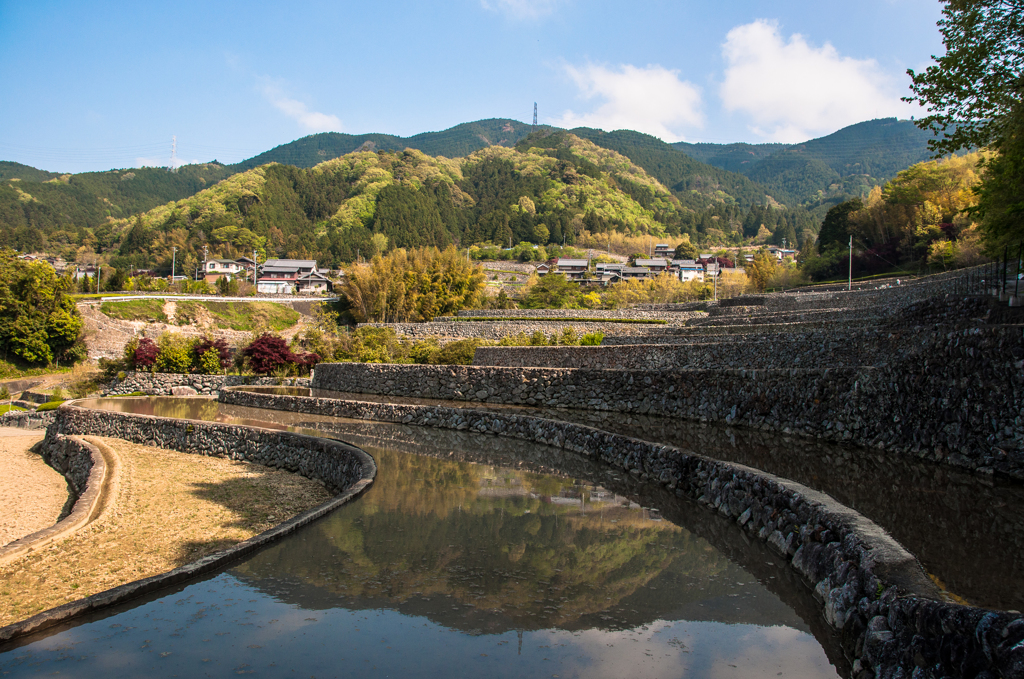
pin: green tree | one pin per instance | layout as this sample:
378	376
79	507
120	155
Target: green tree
174	354
553	291
975	98
39	322
1001	194
686	250
835	228
971	90
761	270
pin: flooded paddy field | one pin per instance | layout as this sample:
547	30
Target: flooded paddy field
469	555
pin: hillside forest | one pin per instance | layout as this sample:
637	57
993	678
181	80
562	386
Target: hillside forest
511	184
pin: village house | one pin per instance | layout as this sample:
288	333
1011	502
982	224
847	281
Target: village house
641	273
663	251
286	276
689	270
574	269
215	269
656	266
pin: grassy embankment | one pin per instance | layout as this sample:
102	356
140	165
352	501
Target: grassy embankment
243	316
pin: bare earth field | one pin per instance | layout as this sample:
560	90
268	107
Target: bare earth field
32	493
170	508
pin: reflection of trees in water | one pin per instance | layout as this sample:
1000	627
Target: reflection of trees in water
161	406
424	529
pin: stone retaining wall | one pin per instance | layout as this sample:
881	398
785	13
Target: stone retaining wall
495	330
73	458
336	464
27	419
160	384
795	350
342	468
671	315
869	587
956	401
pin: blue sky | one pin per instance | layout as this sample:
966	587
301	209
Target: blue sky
101	85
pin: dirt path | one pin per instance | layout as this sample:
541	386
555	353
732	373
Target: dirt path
32	493
171	508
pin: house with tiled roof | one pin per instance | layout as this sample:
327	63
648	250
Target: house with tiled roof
285	276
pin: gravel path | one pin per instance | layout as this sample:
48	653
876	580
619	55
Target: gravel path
32	493
170	509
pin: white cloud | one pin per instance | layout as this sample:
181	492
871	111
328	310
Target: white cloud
793	91
310	121
153	161
521	9
652	100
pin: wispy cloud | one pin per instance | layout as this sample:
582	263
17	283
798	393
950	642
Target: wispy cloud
153	161
792	90
310	121
522	9
651	99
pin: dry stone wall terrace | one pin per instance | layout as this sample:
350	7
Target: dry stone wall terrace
960	404
674	317
861	576
161	384
495	330
796	350
342	468
73	458
334	463
28	419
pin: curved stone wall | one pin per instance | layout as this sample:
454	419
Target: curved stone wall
495	330
344	470
835	348
958	403
161	384
871	590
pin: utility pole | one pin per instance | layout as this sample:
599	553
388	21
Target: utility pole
254	267
99	277
849	285
174	259
206	256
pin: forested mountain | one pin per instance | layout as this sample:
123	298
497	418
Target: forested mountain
695	182
548	189
455	142
9	170
74	209
619	180
733	157
821	172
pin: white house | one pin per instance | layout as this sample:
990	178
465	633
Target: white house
291	275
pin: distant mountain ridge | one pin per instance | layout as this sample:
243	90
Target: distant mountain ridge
714	184
455	142
847	162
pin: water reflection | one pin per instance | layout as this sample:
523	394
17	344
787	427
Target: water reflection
447	567
967	531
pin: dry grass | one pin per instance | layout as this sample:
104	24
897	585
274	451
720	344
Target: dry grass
171	508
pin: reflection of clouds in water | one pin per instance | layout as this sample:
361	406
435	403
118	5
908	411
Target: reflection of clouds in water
222	625
686	648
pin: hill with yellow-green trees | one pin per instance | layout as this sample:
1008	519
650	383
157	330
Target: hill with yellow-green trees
549	188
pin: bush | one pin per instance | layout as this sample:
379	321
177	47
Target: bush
145	354
174	354
219	359
460	352
49	405
268	353
592	339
